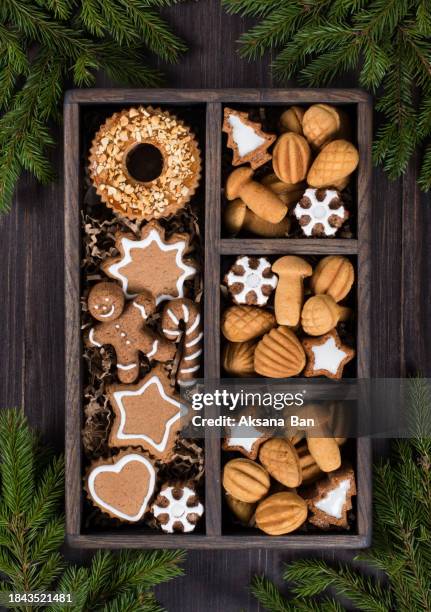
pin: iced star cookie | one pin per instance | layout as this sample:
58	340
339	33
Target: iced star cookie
331	498
320	212
123	327
177	508
250	281
326	355
147	415
152	263
245	440
246	138
122	486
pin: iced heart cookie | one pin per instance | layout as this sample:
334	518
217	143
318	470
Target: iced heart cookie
250	281
330	499
242	323
181	319
245	440
123	327
246	138
333	275
335	162
279	354
326	355
177	508
147	414
238	358
289	295
320	212
122	486
152	263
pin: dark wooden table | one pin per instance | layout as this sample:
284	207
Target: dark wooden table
32	313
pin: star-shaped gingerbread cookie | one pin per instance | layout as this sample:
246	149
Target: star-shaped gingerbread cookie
246	138
146	414
326	355
152	263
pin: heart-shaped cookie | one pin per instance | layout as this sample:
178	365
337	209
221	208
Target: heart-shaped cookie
124	487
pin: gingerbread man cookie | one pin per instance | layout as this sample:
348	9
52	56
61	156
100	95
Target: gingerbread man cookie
250	281
146	414
177	508
152	263
123	328
181	318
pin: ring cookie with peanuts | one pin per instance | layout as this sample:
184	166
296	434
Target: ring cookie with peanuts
152	263
181	319
123	327
146	414
250	281
177	508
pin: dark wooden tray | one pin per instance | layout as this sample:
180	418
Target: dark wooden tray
215	247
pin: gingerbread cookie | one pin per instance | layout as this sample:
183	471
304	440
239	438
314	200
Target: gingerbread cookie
177	508
181	318
246	138
122	486
124	329
326	355
320	212
146	414
152	263
330	499
250	281
245	440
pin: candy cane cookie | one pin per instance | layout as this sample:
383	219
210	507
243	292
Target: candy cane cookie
181	319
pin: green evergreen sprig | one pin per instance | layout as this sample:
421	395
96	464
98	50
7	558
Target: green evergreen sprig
47	44
387	41
401	540
32	532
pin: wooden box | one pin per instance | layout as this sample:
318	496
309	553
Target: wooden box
216	246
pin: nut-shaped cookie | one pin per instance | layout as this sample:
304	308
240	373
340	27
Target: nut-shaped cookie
289	293
281	513
291	119
325	452
242	510
291	157
245	480
280	458
334	276
310	471
335	162
242	323
320	314
320	124
279	354
238	358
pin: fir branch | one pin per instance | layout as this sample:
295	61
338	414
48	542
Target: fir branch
388	43
45	43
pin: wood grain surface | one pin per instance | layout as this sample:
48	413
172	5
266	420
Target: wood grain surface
32	292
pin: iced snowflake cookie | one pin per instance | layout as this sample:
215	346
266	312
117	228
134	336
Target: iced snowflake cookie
250	281
246	138
177	508
320	212
146	415
326	355
122	486
330	499
145	163
152	263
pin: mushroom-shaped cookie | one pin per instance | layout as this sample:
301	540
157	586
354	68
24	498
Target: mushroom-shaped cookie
238	217
289	294
321	313
261	200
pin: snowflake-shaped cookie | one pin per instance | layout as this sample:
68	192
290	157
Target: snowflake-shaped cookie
320	212
250	281
177	508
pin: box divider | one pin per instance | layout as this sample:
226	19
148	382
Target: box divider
298	246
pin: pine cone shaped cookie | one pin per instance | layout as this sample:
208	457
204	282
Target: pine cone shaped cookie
279	354
335	162
242	323
319	315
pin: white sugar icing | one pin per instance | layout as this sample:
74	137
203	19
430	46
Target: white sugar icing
153	236
236	437
177	510
252	280
141	309
130	366
328	356
154	349
109	313
117	469
91	338
334	501
244	136
319	211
